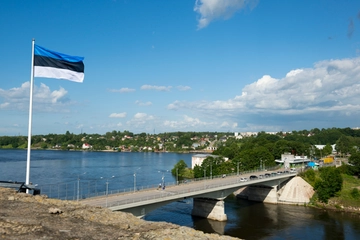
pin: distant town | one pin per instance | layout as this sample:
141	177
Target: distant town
127	141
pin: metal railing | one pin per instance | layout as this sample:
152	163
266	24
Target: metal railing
82	189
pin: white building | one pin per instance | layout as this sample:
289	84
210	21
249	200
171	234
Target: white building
198	159
289	160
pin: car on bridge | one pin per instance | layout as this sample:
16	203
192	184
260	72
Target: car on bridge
244	179
253	177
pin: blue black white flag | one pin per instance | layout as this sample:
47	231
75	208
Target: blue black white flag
50	64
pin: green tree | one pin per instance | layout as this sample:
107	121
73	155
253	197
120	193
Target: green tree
354	160
44	145
327	150
355	193
329	184
343	145
179	170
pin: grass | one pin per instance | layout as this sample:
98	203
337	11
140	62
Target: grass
345	196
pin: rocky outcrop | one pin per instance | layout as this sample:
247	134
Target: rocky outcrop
24	216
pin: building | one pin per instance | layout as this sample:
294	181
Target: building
197	159
86	146
290	160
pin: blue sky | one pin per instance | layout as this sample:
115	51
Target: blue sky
192	65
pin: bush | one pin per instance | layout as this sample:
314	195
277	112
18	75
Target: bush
329	184
310	175
355	193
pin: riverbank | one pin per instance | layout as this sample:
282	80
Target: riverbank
24	216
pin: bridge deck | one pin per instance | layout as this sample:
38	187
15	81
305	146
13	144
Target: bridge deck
190	189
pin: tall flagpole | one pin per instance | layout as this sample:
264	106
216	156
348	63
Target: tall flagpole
30	116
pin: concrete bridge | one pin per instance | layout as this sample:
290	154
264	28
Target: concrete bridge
208	195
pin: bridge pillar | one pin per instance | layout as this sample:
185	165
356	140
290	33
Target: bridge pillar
259	193
209	208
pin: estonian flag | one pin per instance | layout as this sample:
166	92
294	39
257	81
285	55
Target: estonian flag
50	64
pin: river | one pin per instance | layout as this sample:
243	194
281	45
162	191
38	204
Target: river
54	171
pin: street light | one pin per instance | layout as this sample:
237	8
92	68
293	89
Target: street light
135	179
107	189
163	181
177	176
210	170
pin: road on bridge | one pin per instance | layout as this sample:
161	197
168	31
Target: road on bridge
151	194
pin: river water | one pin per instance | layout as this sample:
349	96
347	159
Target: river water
54	171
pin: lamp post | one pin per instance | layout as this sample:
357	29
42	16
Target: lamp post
135	179
177	176
260	164
210	170
107	190
238	168
163	181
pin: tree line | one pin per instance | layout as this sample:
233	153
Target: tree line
261	150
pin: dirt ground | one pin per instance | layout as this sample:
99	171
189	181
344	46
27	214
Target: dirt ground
23	216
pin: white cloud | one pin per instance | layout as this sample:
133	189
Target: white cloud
330	87
186	123
4	105
118	115
44	99
122	90
157	88
183	88
143	116
210	10
142	121
143	103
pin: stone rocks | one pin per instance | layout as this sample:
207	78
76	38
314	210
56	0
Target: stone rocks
24	216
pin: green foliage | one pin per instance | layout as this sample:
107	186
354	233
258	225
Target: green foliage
354	159
347	169
179	170
44	145
355	193
310	176
343	144
327	150
329	183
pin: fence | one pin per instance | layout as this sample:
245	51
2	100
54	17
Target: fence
82	189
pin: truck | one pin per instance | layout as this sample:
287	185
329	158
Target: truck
328	160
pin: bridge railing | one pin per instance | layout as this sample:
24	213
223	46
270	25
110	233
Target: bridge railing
82	189
162	194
